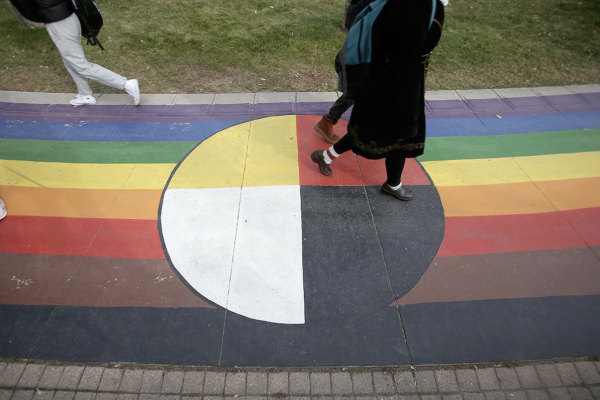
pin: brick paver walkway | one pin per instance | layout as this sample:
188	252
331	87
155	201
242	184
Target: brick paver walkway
573	379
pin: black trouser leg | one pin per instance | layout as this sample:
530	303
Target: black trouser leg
343	145
341	105
394	165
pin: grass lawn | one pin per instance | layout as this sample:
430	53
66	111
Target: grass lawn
208	46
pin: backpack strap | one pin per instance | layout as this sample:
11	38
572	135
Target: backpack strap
433	9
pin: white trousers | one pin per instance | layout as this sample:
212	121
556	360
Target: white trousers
66	35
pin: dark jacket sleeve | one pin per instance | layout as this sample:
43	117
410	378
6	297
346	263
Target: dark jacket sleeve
44	11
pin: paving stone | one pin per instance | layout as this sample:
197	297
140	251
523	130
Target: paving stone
291	398
265	398
193	383
580	394
152	381
278	383
127	396
199	397
132	381
111	380
528	377
548	375
516	395
595	392
300	383
147	396
84	396
362	383
382	397
62	395
70	378
473	396
235	383
408	397
2	366
90	379
11	375
537	394
31	376
559	394
6	394
50	377
467	380
256	383
446	381
431	397
173	382
177	397
495	395
43	395
507	378
405	382
214	383
320	383
425	382
568	374
487	379
111	396
455	396
341	383
383	383
587	372
22	395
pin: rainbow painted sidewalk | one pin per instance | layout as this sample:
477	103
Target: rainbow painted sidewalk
195	230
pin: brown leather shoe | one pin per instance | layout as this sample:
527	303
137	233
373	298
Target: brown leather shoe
317	156
325	128
403	193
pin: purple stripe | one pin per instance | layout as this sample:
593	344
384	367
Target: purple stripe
435	109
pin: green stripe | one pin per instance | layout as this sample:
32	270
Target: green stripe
437	149
517	145
94	152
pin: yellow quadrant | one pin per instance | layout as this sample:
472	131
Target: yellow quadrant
475	172
272	153
561	166
149	176
80	176
12	171
216	163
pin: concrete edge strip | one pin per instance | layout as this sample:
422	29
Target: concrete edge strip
287	97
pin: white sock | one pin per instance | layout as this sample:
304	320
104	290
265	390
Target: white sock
396	187
326	154
326	157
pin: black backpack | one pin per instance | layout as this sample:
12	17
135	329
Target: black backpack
90	19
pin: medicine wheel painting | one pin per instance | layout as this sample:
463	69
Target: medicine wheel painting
250	224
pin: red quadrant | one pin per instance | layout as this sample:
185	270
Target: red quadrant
81	237
508	233
348	168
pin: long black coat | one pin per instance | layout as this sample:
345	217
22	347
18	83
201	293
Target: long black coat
44	11
389	119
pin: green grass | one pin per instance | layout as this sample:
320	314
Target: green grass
200	46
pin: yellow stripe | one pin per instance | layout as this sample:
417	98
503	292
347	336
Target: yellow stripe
514	170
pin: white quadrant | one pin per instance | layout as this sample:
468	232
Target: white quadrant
198	227
267	278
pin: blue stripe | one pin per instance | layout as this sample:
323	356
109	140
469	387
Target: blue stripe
198	131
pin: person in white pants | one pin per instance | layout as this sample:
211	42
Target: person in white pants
64	28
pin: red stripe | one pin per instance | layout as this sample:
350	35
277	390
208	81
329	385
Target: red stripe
346	171
81	237
587	224
512	233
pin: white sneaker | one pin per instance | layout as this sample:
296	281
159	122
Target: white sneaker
2	210
80	100
133	88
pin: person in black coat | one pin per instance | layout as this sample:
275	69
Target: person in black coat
388	118
64	28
